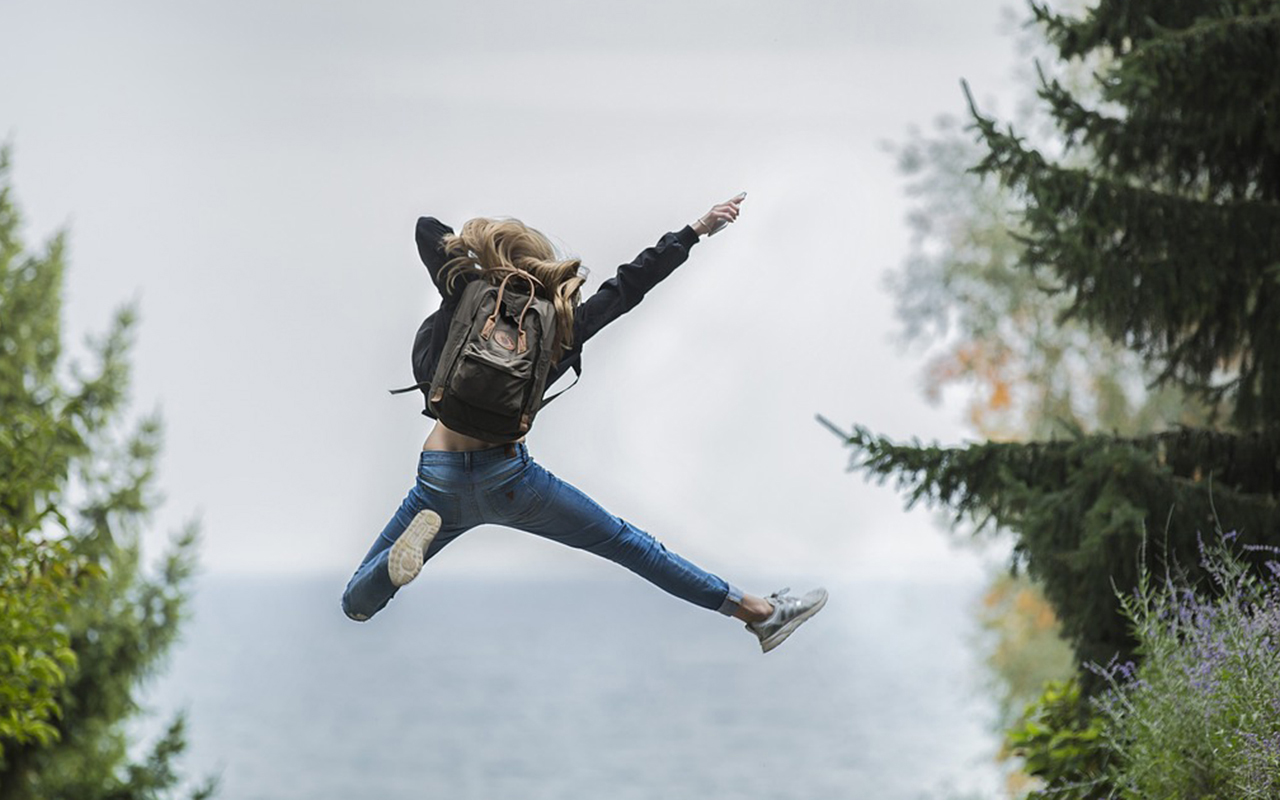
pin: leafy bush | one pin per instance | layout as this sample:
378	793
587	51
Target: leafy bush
1200	717
1062	743
35	651
1197	717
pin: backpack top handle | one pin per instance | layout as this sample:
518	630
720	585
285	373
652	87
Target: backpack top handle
492	321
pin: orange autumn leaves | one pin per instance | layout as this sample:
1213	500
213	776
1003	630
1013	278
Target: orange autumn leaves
990	369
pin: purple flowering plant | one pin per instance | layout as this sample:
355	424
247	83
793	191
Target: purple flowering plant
1199	716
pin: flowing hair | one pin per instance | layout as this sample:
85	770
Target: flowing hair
494	248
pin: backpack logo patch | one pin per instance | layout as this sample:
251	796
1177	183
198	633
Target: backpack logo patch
504	340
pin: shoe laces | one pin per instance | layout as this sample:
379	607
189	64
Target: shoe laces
781	600
778	600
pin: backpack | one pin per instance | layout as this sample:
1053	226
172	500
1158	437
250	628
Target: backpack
493	368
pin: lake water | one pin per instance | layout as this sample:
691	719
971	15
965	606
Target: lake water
493	688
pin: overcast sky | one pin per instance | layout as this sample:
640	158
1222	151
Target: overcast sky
251	172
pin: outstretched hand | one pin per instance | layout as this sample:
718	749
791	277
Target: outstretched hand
721	214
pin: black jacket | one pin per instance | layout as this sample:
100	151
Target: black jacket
615	297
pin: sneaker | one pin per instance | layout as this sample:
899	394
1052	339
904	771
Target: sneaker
788	614
405	560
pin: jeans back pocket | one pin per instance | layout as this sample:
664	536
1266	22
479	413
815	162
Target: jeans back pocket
515	498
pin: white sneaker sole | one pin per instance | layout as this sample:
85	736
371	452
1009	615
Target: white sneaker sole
405	561
786	630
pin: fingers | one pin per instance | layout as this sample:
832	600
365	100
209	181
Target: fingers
732	205
733	202
721	214
725	211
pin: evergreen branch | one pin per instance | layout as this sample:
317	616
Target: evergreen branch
1069	35
1184	125
1169	37
1242	461
1024	168
1080	507
1080	125
829	425
1117	25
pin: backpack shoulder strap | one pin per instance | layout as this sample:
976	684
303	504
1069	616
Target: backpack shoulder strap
468	300
576	366
417	385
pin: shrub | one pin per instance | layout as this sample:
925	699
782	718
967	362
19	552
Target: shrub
1062	744
1200	717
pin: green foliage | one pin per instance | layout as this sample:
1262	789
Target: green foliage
34	649
83	625
1063	744
1199	718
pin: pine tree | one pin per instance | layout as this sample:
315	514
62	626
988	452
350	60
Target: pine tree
1159	226
82	624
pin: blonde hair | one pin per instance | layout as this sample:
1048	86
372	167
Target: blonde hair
494	248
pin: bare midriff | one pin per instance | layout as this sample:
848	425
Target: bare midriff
450	441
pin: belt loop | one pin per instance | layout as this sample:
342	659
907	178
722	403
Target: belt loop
509	450
466	460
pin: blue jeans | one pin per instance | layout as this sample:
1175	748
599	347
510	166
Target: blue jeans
503	486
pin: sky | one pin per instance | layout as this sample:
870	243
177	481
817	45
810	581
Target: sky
249	173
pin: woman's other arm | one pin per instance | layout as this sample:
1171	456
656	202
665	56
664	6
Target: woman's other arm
429	233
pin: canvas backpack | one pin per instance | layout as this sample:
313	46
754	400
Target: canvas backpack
493	368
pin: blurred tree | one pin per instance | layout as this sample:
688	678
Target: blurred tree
82	625
1028	372
36	571
1031	370
1156	223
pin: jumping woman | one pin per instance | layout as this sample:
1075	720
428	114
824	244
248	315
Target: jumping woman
464	481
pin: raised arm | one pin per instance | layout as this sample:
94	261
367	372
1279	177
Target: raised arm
624	290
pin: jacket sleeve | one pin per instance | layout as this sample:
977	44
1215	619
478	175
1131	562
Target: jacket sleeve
623	291
429	234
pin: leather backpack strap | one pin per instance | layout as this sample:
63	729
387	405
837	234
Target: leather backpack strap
492	321
523	344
